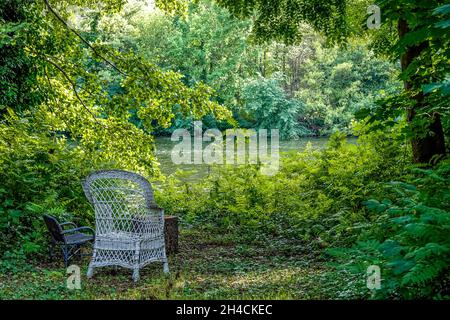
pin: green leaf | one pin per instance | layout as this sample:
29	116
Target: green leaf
445	9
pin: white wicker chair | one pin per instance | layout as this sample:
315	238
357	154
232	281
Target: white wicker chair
129	225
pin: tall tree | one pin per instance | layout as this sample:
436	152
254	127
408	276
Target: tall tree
421	43
54	77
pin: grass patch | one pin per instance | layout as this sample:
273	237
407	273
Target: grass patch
211	267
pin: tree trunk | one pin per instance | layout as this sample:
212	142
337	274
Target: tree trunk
171	234
426	147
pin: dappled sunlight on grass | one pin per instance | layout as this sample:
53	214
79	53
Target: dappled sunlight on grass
207	267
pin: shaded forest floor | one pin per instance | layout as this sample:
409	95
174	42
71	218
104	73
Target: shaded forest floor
207	267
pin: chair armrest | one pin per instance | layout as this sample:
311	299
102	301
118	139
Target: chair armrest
68	223
79	229
155	207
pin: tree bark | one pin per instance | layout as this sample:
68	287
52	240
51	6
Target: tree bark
424	148
171	234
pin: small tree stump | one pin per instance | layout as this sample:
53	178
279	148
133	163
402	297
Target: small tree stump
171	234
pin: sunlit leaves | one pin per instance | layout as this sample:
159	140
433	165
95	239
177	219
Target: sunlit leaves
281	19
178	7
92	89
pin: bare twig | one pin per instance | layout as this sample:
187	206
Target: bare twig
74	88
56	14
66	76
74	68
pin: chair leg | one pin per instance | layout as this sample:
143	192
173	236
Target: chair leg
166	267
136	263
90	272
66	254
136	274
164	260
77	250
51	251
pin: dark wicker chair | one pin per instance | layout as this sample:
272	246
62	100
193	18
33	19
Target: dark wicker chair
69	240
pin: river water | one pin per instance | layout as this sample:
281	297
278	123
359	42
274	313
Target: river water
193	172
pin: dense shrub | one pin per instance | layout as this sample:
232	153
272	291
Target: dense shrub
319	90
315	197
409	240
39	173
269	107
338	83
41	170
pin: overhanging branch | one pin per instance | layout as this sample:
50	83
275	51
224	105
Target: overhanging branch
56	14
74	88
